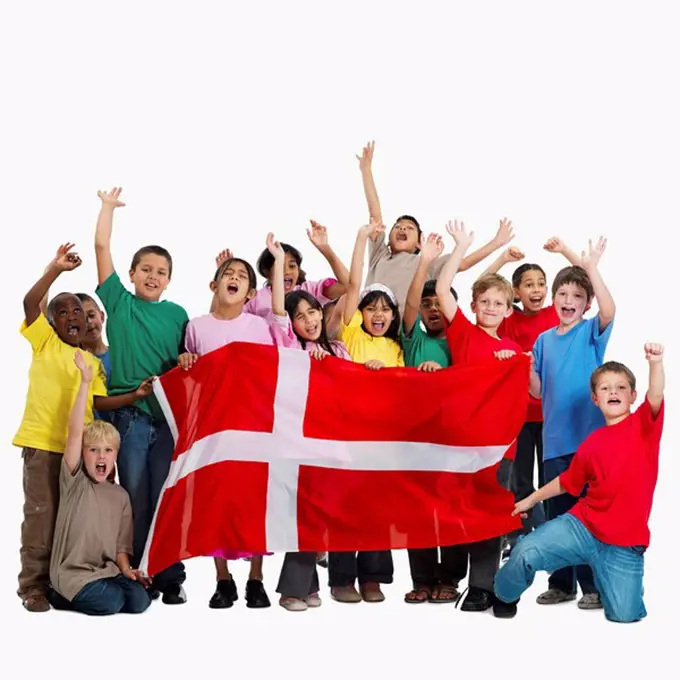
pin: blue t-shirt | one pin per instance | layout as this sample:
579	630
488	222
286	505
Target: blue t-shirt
419	346
564	363
106	362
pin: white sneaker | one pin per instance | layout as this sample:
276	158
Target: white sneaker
313	600
293	604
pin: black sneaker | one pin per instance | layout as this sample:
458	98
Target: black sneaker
154	593
174	594
256	595
225	594
477	600
504	610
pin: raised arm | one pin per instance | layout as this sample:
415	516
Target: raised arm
76	421
503	236
278	290
35	301
556	245
657	377
102	235
371	193
318	235
507	256
430	249
605	301
356	270
463	239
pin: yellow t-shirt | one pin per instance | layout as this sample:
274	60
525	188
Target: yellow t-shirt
363	347
53	382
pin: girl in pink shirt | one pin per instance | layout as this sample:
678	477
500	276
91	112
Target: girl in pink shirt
233	286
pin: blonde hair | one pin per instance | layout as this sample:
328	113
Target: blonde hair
488	281
100	431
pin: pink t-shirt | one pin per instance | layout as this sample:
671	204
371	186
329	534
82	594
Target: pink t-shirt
286	330
206	333
261	304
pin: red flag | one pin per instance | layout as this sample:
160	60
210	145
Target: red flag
279	452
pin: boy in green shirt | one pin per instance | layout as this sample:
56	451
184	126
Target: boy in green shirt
146	335
434	579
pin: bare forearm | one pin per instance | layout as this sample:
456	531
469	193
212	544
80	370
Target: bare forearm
657	384
76	421
123	561
371	194
495	266
550	490
605	301
414	294
356	273
478	255
102	243
113	403
534	384
278	292
338	267
38	293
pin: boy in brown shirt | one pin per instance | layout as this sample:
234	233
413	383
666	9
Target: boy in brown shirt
90	565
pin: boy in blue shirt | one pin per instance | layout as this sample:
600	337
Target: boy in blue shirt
563	360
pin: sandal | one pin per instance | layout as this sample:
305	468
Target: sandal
418	595
444	593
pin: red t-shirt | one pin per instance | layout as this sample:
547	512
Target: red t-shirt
524	329
620	464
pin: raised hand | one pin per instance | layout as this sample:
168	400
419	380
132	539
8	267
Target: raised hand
554	245
274	247
65	260
366	158
431	247
86	371
223	256
111	198
460	235
590	259
145	388
187	360
429	367
505	233
318	235
513	255
373	229
654	352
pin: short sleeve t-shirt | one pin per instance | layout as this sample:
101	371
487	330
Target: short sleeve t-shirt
620	465
207	333
53	383
469	343
94	524
564	362
261	304
419	346
363	347
523	329
145	339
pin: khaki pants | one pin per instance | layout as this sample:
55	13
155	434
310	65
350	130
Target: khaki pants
41	501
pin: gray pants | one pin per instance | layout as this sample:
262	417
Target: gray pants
298	575
485	558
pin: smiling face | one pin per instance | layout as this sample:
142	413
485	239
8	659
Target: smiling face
307	321
532	290
150	276
67	317
404	237
234	285
95	323
571	302
613	395
491	307
377	317
431	315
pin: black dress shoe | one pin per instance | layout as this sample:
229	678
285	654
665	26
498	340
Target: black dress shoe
154	593
256	596
477	600
225	594
504	610
174	594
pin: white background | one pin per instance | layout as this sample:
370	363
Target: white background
222	121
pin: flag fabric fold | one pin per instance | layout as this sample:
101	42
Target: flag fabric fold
277	452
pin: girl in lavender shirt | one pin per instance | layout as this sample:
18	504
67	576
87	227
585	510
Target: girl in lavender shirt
233	286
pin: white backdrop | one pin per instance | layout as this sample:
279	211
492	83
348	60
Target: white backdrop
222	121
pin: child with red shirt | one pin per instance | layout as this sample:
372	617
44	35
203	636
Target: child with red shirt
607	528
492	297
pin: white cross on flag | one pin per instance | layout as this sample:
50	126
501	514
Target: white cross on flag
277	452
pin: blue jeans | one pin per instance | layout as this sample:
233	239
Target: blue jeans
146	448
106	596
565	541
565	579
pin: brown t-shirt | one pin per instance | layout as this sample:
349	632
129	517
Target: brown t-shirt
94	524
396	271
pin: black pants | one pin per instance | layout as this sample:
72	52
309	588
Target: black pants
370	566
431	567
565	579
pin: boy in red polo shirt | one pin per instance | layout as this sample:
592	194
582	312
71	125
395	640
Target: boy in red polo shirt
607	529
492	297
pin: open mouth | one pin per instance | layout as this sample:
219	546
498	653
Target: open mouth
568	311
232	289
151	285
288	282
536	299
434	318
100	469
73	330
313	332
613	401
378	326
401	237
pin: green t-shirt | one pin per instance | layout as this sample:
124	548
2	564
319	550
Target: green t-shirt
145	339
419	346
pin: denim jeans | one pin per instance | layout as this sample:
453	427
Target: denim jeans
565	579
565	541
106	596
146	448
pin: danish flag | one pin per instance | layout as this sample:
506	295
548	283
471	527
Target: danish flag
278	452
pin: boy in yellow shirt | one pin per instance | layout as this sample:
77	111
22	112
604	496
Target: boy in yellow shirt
53	384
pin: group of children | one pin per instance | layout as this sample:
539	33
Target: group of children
83	535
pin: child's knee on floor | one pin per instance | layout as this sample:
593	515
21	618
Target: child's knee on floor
137	599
